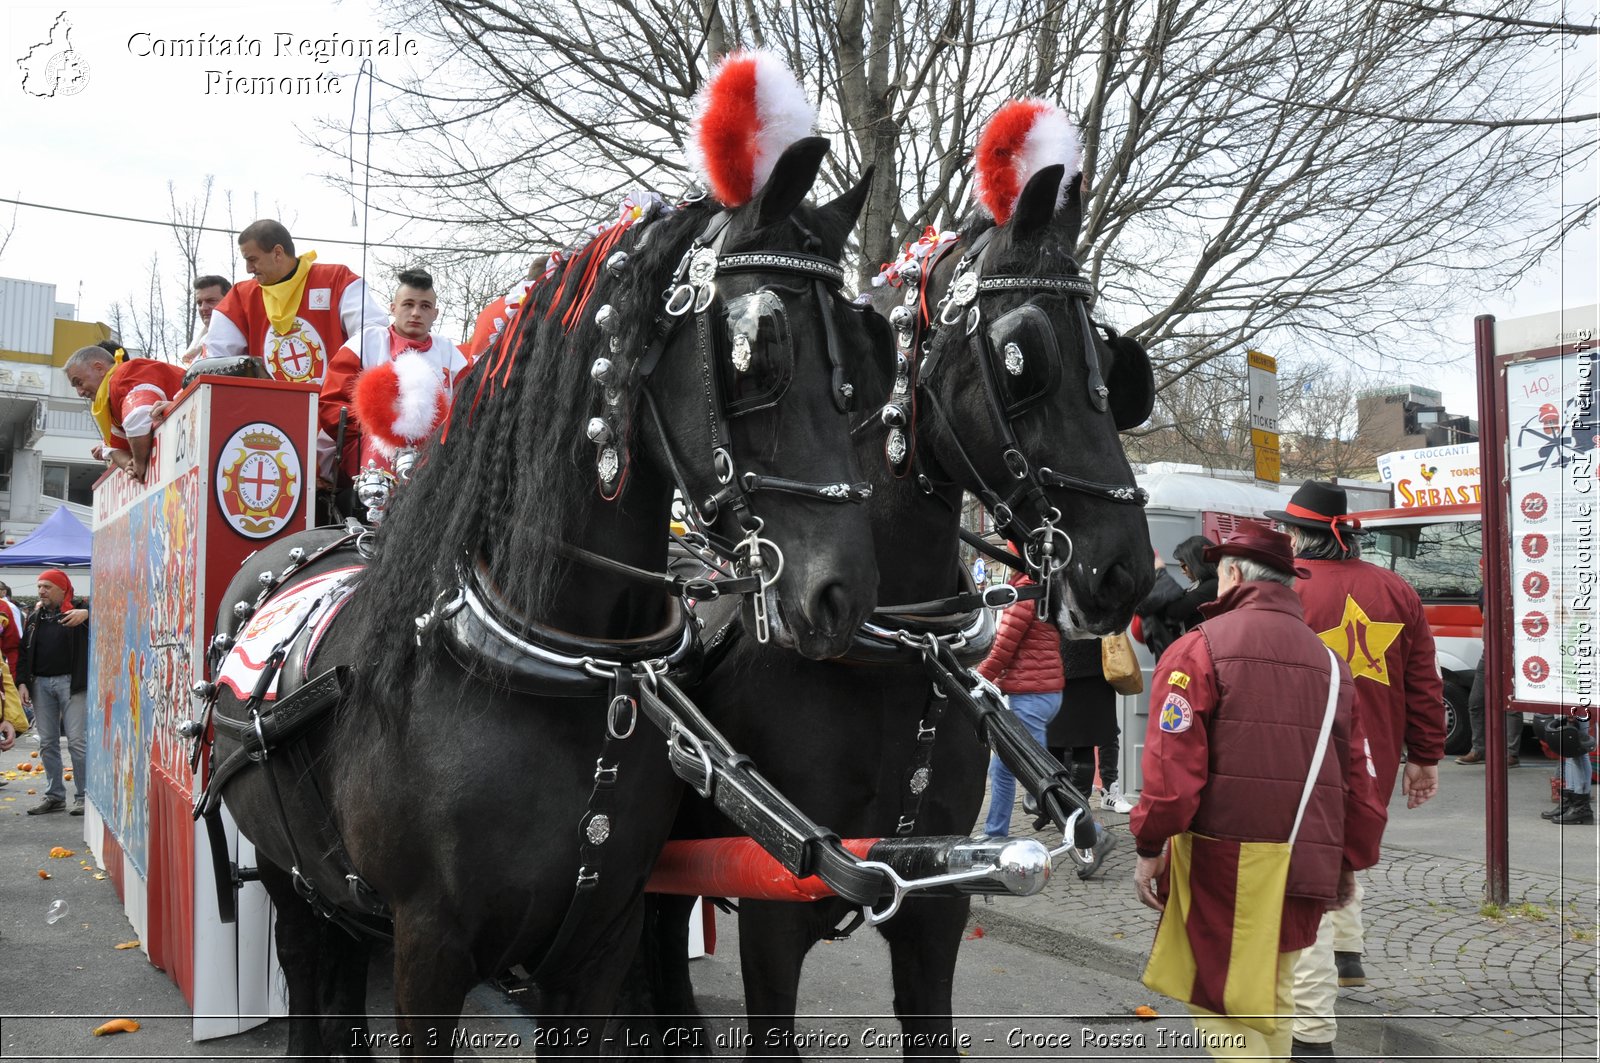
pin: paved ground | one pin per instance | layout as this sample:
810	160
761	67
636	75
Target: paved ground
1447	977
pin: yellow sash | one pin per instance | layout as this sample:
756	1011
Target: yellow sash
282	300
100	409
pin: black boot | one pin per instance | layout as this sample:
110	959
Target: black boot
1306	1051
1579	812
1351	973
1566	803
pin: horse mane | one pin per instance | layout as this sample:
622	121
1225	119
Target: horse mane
512	464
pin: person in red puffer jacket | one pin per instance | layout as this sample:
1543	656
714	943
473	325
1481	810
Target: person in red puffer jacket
1025	663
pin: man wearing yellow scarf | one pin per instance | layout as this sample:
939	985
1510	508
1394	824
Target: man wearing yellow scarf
294	313
127	397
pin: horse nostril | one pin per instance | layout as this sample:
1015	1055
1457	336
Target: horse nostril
1116	585
830	608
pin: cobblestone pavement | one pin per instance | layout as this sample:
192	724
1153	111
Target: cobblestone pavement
1447	975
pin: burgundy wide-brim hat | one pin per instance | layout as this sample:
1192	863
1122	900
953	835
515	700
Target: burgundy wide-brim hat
1258	543
1318	505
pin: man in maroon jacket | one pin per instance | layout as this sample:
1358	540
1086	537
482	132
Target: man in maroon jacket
1236	708
1373	619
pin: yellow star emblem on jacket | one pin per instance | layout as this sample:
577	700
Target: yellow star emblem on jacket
1362	642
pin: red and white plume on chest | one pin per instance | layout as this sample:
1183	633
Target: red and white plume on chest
750	110
1021	139
400	403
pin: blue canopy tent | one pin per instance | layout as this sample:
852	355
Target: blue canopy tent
61	540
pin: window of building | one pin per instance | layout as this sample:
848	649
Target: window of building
5	470
69	482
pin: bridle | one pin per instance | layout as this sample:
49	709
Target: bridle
692	295
1046	548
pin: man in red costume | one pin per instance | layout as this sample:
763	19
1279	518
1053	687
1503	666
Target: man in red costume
128	398
1373	619
1236	709
494	320
415	308
294	312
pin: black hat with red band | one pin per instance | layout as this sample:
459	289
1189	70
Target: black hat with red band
1321	506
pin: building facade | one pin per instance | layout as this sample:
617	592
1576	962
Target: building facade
46	430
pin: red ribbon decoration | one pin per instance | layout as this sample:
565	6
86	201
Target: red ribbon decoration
1333	522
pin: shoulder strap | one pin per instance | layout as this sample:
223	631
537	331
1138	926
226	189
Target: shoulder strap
1322	743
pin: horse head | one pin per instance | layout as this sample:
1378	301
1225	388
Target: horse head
1010	391
763	381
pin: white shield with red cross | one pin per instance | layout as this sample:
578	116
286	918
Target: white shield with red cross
298	356
258	480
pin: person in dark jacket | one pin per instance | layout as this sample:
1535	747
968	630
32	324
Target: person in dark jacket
1169	610
53	674
1237	710
1087	722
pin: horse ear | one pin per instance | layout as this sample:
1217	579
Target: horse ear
837	218
1070	216
792	177
1037	204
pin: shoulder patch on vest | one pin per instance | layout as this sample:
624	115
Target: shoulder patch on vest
1178	679
1176	716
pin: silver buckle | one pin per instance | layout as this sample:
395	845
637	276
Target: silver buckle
1000	596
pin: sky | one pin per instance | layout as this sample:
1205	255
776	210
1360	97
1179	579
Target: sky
141	119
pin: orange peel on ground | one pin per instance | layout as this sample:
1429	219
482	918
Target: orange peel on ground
43	873
61	851
1145	1011
127	945
117	1026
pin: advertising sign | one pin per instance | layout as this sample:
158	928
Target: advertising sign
1550	478
1432	476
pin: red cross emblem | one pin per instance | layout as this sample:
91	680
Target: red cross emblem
258	480
296	355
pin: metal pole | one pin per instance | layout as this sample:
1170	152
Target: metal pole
1496	615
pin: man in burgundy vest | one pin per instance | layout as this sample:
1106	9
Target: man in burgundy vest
1373	619
1236	707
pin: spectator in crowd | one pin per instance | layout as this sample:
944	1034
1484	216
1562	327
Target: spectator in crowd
13	721
1087	722
294	312
1169	609
54	675
128	398
1238	709
1475	712
1570	740
1373	619
11	624
208	292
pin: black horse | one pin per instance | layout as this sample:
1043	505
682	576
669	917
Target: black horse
476	784
1013	413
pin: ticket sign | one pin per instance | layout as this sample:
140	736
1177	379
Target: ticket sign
1262	373
1550	476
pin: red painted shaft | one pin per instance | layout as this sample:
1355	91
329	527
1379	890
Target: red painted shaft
736	867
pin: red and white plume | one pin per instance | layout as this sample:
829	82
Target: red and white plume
1019	141
747	114
400	403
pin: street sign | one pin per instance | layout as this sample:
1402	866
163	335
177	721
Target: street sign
1267	469
1263	376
